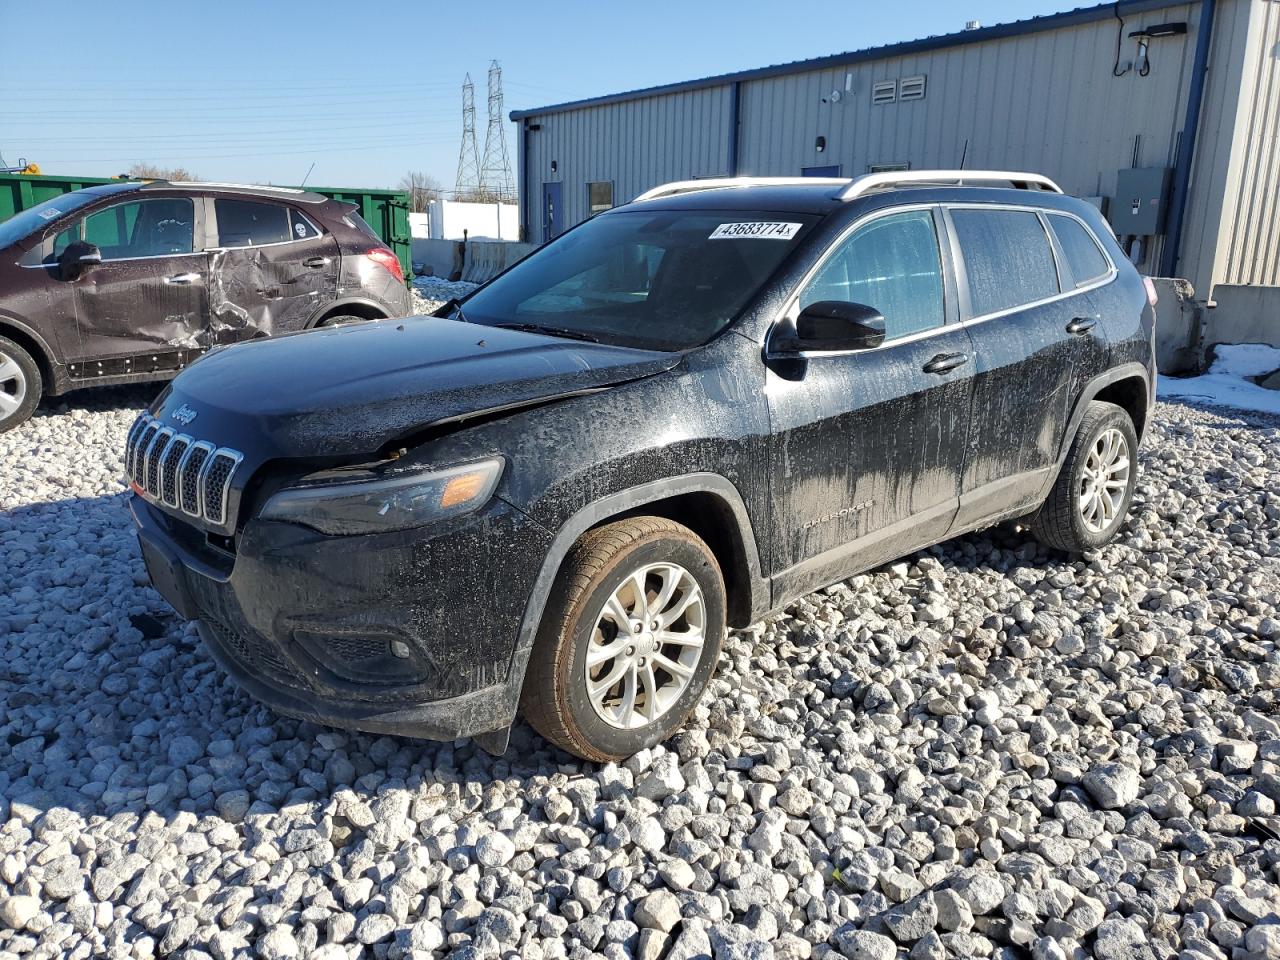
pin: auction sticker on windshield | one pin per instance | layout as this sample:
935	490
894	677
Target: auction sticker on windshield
758	230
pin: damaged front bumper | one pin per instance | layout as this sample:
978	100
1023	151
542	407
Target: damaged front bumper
410	633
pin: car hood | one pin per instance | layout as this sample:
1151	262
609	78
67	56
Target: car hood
356	390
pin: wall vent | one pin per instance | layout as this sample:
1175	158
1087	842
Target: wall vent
884	91
911	88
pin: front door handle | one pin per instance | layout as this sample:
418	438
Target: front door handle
1081	324
944	362
182	278
316	262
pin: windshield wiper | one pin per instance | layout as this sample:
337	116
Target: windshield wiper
549	331
453	304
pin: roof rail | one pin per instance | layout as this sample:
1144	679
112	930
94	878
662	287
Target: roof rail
719	183
233	186
889	178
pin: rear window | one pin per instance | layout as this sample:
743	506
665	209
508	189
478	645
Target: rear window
247	223
1083	255
354	219
1007	258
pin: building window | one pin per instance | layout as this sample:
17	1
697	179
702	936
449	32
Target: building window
599	196
887	167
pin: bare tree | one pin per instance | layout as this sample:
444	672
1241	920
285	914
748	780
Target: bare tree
481	195
150	171
422	189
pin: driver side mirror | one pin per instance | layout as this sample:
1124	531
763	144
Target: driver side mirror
78	257
833	326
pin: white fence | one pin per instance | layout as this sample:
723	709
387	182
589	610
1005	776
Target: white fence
455	219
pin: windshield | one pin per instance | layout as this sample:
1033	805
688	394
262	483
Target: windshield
34	218
660	279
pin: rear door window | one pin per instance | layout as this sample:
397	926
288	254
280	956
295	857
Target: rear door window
1083	255
248	223
1007	258
891	264
159	227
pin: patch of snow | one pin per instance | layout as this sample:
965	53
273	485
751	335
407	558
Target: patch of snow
1245	359
430	293
1225	384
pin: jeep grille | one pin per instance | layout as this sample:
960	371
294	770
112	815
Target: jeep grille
180	472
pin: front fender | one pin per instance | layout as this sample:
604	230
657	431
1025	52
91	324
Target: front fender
623	502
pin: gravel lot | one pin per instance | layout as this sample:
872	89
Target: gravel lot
1004	752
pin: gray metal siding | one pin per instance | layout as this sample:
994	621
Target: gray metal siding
1045	102
636	144
1217	156
1252	235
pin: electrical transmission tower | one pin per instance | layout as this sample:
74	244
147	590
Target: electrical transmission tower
495	172
468	158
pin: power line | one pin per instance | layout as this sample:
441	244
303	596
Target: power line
468	161
495	172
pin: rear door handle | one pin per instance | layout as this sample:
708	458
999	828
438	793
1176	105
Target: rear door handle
182	278
944	362
316	262
1081	324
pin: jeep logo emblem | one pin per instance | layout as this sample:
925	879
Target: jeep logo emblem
184	415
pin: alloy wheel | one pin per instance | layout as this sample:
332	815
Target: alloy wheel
13	386
1104	481
645	646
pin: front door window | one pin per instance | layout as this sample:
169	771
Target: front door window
160	227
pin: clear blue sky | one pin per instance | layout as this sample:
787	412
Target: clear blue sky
257	91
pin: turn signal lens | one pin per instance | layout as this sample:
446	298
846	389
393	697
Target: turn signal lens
464	488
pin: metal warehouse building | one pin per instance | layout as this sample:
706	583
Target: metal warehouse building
1167	114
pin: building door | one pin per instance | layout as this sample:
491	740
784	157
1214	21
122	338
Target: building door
551	219
831	171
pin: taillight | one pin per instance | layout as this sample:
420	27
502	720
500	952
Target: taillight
389	260
1152	297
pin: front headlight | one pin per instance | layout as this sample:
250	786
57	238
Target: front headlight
394	503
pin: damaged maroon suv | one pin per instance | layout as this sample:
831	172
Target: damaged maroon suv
127	282
683	413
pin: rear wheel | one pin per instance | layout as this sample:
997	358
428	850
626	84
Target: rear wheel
20	385
629	640
1090	499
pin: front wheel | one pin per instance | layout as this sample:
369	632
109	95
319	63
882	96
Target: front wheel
1090	499
20	385
629	640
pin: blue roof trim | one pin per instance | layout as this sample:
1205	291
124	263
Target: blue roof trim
1000	31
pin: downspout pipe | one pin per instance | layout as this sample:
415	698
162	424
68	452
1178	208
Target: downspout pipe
1187	145
522	164
735	102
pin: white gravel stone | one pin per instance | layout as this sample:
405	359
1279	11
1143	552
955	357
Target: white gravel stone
1079	753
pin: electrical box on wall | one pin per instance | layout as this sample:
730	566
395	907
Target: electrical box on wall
1141	194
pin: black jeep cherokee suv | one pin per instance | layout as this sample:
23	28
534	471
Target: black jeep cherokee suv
681	414
126	282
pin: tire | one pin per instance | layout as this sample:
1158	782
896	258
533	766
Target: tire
20	385
1069	519
341	320
599	569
